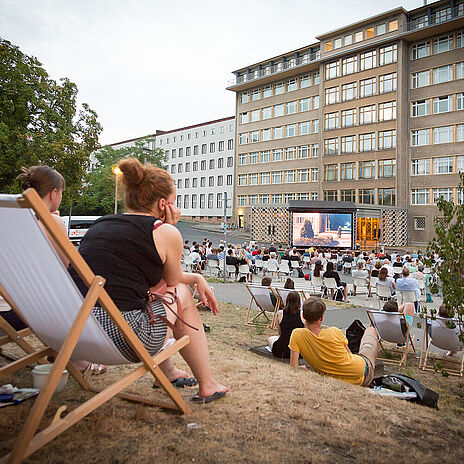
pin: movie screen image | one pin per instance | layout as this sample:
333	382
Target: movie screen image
322	230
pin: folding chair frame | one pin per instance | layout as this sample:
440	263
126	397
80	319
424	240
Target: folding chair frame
427	341
262	312
402	361
28	441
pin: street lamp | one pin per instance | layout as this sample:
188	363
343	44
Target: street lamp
117	172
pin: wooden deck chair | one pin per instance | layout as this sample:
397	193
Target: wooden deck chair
41	288
262	298
438	334
388	326
8	334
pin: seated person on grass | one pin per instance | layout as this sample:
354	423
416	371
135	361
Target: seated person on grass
326	350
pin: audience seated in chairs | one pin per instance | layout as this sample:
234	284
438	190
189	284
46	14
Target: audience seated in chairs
363	274
326	350
408	284
287	319
267	282
386	280
407	309
331	273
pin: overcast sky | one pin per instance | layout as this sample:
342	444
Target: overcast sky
144	65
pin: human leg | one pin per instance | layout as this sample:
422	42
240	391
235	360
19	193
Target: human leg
196	353
368	349
354	290
272	339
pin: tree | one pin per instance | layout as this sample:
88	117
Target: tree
98	193
448	244
40	122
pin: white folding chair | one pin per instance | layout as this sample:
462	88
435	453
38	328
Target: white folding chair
397	270
361	284
212	266
295	266
272	267
389	329
47	298
188	263
383	293
283	293
408	296
347	267
331	285
261	296
259	265
243	271
284	269
231	270
438	334
306	261
316	285
374	281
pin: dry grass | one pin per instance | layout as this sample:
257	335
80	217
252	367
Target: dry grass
273	414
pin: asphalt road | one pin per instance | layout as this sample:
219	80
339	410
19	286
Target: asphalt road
197	231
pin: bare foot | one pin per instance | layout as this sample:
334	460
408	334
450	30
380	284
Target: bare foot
174	374
212	388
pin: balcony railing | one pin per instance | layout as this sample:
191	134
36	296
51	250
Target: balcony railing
437	17
275	68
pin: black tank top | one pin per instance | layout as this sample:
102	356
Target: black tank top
289	322
120	248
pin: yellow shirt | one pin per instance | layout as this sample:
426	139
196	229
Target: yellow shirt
327	354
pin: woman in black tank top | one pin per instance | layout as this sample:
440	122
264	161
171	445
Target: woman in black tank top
134	252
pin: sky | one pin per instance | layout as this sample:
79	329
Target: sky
147	65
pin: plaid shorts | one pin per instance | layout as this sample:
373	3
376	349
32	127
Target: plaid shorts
152	336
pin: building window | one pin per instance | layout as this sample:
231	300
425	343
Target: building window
195	182
277	132
420	79
290	153
460	133
443	165
358	36
194	200
243	139
242	159
179	201
330	195
387	196
349	65
420	197
173	169
304	152
443	104
292	107
366	196
211	163
204	147
229	179
202	181
244	97
331	146
369	33
219	200
380	29
367	114
265	178
445	193
305	81
267	91
315	150
443	74
277	177
315	124
179	183
330	172
420	167
277	155
288	197
420	137
290	177
442	15
265	135
303	175
181	152
195	166
460	36
349	91
253	179
349	117
348	195
332	95
348	40
332	120
316	102
367	142
230	161
460	164
443	44
292	85
278	110
460	101
366	169
254	136
420	22
303	196
187	167
230	144
279	88
420	108
265	156
348	144
264	199
387	111
387	139
220	181
420	50
387	168
203	165
220	163
255	94
332	70
419	223
266	113
368	60
254	115
314	196
290	130
314	174
186	201
347	171
337	43
276	198
388	55
367	87
443	134
387	83
241	200
254	157
316	78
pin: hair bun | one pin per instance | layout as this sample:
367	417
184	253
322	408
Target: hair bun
132	172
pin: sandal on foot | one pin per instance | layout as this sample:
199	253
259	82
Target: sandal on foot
94	369
183	382
207	399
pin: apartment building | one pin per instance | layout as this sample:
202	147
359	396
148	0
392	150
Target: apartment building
200	159
370	114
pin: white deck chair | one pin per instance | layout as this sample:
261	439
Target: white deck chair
443	337
388	326
37	282
284	269
282	293
262	298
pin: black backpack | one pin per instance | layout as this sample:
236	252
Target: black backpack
354	333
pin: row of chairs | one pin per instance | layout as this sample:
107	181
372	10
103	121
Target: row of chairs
388	325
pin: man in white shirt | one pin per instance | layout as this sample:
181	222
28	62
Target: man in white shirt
361	273
387	265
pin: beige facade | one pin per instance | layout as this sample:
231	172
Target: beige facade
347	118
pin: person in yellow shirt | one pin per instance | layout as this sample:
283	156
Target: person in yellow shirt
326	350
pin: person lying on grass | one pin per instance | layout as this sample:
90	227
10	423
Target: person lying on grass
326	350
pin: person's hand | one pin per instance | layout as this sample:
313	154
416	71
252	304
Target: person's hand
171	214
206	295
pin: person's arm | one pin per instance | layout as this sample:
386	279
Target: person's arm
294	355
280	316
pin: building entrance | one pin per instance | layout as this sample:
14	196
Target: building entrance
368	232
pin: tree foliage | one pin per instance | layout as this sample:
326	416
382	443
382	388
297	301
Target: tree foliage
40	122
98	193
449	245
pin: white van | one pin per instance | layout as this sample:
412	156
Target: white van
78	227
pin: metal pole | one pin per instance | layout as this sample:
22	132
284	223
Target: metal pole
116	195
224	200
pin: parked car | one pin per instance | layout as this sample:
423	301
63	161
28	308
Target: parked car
78	227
